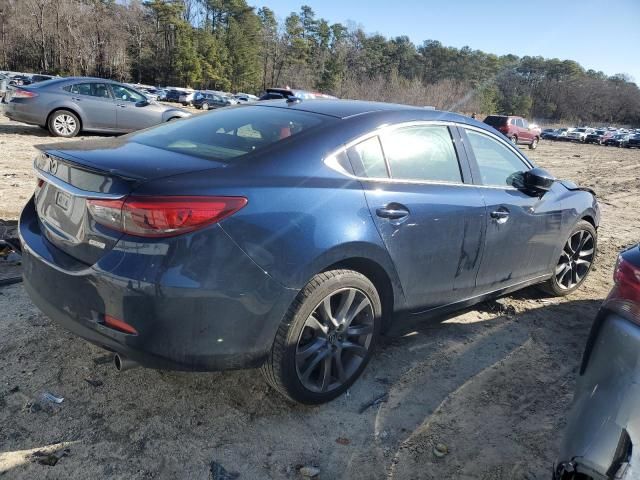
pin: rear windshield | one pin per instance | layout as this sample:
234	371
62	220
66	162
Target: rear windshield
229	133
495	121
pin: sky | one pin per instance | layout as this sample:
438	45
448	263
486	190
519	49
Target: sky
602	35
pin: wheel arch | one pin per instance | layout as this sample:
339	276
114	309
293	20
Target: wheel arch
68	109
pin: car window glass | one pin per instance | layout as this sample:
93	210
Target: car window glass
367	159
422	153
498	164
513	121
126	94
525	124
90	89
230	133
519	123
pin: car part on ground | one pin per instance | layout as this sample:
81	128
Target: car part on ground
274	272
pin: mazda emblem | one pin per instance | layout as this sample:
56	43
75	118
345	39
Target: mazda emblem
53	165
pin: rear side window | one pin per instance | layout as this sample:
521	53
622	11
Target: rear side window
422	153
499	166
367	159
230	133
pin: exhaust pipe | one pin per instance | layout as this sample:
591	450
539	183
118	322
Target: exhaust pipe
123	363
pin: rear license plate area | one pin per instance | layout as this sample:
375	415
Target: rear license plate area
63	200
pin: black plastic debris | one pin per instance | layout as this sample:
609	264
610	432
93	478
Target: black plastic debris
10	254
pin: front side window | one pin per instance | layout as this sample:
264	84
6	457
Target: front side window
424	152
367	159
499	165
230	133
519	123
126	94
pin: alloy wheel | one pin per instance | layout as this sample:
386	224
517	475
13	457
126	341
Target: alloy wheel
575	260
335	340
64	124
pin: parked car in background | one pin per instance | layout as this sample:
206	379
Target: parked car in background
173	95
162	94
280	93
207	100
186	97
67	106
548	133
596	136
245	97
561	134
634	141
610	133
602	438
516	129
19	80
579	134
618	140
192	221
41	78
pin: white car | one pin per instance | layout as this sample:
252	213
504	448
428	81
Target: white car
579	134
187	97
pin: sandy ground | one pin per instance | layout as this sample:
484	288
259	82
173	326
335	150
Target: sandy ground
493	384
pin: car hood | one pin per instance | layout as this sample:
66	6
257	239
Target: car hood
124	157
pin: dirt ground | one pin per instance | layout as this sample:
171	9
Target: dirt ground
492	384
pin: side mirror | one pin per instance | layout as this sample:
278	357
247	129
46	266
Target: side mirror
538	179
142	103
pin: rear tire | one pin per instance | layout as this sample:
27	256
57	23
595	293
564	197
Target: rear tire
326	338
205	106
63	123
575	262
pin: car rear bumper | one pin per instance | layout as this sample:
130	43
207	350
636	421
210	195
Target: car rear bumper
212	310
604	423
23	112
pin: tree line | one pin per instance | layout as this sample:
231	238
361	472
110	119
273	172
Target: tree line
229	45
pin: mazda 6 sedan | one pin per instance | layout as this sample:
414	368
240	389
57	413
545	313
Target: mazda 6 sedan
68	106
288	234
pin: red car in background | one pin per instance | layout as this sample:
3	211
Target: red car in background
517	129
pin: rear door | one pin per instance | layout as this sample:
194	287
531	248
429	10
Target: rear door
94	103
522	231
131	113
430	219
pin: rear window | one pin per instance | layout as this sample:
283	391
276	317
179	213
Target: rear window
495	121
229	133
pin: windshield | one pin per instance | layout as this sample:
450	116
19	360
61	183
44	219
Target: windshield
229	133
581	130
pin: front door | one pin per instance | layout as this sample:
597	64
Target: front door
522	230
431	222
131	111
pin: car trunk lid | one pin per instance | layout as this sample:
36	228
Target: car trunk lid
72	175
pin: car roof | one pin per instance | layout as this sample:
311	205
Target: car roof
351	108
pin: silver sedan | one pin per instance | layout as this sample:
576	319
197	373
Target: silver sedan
67	106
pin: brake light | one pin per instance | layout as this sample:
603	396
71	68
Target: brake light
163	216
625	296
21	93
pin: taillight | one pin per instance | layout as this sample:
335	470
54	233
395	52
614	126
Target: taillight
625	296
163	216
116	324
21	93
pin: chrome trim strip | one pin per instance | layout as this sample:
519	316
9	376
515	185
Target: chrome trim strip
71	190
332	162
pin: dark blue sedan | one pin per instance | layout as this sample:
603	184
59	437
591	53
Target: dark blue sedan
289	234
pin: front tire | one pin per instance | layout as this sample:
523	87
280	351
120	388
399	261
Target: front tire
514	140
205	106
534	144
326	338
63	123
575	262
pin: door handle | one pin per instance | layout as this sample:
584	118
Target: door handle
76	99
501	215
122	105
392	211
